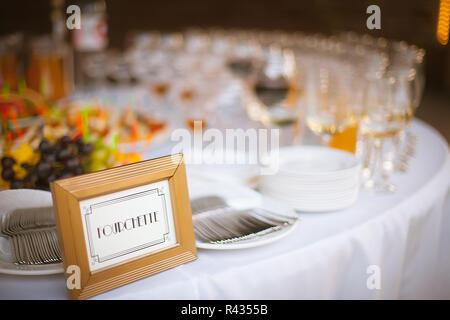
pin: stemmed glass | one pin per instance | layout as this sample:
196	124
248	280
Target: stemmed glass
273	95
387	109
407	63
329	108
244	56
159	89
95	66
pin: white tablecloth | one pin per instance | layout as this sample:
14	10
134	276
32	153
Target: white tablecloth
406	235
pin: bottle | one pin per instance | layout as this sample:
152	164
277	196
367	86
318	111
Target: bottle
50	62
91	39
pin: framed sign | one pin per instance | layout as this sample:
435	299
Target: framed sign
122	224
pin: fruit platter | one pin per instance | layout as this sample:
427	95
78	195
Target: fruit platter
135	129
68	139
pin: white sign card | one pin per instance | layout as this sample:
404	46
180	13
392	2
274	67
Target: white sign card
127	224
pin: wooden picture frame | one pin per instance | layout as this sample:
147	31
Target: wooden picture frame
122	224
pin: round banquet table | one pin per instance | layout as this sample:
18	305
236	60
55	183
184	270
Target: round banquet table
329	256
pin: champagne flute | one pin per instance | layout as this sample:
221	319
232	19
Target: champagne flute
329	109
407	65
386	110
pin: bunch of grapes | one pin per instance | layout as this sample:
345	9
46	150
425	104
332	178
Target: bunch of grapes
63	159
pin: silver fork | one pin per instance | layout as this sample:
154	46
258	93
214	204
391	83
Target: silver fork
216	222
32	236
22	220
36	247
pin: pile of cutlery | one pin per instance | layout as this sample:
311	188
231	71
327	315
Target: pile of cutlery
32	236
218	223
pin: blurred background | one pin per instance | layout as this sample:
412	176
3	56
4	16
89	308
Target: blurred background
414	21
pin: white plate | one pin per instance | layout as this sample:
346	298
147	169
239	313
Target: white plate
276	184
312	178
11	200
313	202
215	165
321	206
240	197
310	196
313	163
237	196
309	181
316	161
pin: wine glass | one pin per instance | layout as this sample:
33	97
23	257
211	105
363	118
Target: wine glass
387	109
244	56
329	109
406	63
95	67
273	95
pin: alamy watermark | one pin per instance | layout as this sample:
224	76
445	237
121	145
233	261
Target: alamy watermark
374	279
374	20
231	147
74	20
73	281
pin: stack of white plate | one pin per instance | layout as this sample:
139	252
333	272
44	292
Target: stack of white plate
311	178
